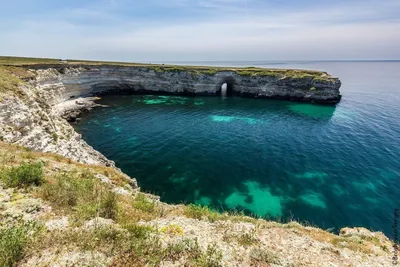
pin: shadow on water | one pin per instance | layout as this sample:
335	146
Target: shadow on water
322	112
303	110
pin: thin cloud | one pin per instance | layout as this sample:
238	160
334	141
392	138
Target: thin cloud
340	31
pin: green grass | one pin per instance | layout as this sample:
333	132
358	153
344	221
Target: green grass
143	203
81	195
23	176
26	60
14	239
201	212
9	84
253	72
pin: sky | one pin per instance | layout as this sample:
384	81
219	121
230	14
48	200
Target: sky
201	30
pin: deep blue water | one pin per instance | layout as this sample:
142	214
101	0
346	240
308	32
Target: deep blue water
330	166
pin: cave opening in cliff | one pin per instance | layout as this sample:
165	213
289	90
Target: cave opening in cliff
226	87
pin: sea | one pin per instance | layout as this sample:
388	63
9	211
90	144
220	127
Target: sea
322	165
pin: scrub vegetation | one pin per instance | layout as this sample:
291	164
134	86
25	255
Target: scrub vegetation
27	174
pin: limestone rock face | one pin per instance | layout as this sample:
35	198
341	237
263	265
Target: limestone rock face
34	121
72	82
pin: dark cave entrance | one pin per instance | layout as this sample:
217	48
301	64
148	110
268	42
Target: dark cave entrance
226	87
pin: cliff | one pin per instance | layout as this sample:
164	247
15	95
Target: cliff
84	80
62	203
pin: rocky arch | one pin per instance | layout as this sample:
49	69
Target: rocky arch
230	86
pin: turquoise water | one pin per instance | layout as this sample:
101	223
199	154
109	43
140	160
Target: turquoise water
332	166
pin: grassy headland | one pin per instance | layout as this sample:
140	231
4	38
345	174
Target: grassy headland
195	70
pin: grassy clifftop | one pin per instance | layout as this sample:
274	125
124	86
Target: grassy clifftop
248	71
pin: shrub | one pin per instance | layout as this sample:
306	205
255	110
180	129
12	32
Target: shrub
139	231
13	240
24	175
141	202
108	205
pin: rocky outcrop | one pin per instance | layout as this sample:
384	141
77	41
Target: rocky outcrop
34	120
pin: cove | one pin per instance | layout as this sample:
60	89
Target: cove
269	158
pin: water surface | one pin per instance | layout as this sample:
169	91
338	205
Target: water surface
330	166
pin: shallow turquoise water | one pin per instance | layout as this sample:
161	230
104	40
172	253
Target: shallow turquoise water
330	166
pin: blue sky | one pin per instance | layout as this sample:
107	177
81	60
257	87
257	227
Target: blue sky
179	30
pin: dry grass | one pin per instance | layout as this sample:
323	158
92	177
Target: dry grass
9	84
26	60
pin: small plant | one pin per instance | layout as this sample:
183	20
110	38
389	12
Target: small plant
244	238
201	212
191	251
247	238
259	256
141	202
24	175
54	136
13	240
139	231
175	251
108	205
172	230
211	258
